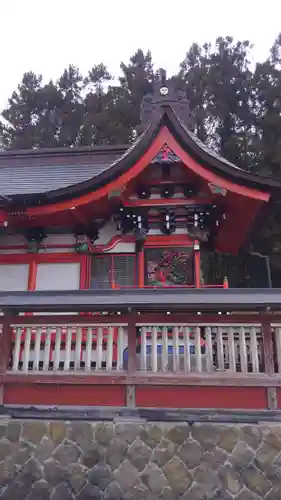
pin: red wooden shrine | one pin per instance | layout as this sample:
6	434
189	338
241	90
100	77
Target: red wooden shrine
109	239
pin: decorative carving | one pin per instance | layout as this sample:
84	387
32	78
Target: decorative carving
166	155
217	189
164	93
34	237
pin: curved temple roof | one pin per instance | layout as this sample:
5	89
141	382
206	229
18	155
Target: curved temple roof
53	174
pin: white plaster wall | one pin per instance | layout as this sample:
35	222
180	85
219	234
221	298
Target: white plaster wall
13	277
58	239
58	276
123	248
51	239
107	233
11	240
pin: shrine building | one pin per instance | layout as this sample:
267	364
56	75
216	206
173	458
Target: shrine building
106	294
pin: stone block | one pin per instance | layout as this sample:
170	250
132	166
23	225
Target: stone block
57	431
66	453
33	431
139	454
163	452
177	475
126	476
116	452
154	479
104	433
190	453
101	476
81	433
256	481
93	454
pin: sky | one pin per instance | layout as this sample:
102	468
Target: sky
45	36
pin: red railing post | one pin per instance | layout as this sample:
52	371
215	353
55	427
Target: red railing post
267	346
5	350
132	360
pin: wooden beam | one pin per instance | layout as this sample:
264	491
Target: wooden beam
147	379
268	347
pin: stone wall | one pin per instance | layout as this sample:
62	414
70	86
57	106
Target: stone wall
56	460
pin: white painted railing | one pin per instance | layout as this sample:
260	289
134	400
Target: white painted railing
201	348
178	348
82	348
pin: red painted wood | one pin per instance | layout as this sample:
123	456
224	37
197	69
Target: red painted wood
197	268
141	269
164	136
75	395
40	258
216	379
156	202
94	195
5	343
32	275
201	397
215	319
84	269
268	347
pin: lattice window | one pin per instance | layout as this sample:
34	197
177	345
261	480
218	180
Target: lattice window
113	269
124	270
101	270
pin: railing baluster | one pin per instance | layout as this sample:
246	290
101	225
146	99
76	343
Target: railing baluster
78	345
143	353
254	349
220	351
231	350
88	355
109	350
57	352
68	349
26	351
186	355
243	350
154	349
209	349
277	334
198	349
38	332
176	360
120	348
185	349
47	349
165	351
17	348
99	348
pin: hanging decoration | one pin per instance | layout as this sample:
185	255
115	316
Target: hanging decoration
82	243
168	223
144	192
190	190
85	237
167	191
203	220
129	220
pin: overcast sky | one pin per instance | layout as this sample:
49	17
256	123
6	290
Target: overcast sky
45	36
